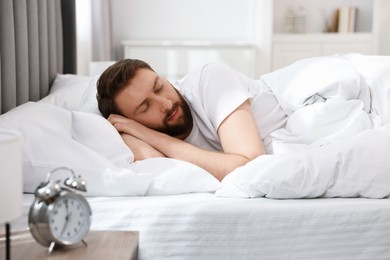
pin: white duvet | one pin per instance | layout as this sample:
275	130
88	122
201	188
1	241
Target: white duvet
336	142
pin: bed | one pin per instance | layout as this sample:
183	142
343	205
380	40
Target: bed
323	194
202	226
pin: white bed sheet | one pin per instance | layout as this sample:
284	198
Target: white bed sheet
203	226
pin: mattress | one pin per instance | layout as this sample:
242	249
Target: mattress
203	226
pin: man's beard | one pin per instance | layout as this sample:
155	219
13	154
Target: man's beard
183	127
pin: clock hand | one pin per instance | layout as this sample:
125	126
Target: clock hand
67	217
65	225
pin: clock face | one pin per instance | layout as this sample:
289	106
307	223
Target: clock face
69	218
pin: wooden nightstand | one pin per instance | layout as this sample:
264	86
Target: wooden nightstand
101	245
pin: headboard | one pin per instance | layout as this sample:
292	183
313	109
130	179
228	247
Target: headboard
37	41
173	59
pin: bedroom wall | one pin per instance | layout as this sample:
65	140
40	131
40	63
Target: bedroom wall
204	20
383	27
197	20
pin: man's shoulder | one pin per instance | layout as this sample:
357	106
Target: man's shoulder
211	66
216	66
214	71
198	76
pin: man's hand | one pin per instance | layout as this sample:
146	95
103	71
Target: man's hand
125	126
140	149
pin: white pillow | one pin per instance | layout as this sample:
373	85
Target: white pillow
88	101
173	176
67	91
90	145
48	144
97	133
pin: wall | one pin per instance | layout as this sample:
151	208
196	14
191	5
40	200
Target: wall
383	27
205	20
192	20
224	20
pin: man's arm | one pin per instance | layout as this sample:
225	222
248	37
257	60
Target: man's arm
140	149
238	134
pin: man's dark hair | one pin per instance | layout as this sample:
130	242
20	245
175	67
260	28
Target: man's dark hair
113	80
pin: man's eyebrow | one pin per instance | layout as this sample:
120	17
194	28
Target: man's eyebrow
146	99
155	82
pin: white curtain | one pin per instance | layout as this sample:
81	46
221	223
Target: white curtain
101	31
94	40
84	36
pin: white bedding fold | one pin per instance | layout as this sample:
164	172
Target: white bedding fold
321	123
314	80
332	145
357	167
326	99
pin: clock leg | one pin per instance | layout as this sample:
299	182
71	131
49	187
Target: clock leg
51	247
84	242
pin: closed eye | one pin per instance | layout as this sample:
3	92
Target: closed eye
158	87
145	106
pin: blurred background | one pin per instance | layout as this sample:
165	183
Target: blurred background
253	36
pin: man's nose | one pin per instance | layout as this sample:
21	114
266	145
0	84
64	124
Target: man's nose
165	104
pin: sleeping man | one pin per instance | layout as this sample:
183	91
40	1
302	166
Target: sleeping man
214	117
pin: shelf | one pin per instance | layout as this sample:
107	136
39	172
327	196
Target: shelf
318	13
173	59
194	44
288	48
323	37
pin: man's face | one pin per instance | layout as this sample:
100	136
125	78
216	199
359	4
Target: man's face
155	103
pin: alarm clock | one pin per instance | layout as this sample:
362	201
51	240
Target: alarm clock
60	216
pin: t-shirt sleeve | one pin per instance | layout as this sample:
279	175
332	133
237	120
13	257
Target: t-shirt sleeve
222	91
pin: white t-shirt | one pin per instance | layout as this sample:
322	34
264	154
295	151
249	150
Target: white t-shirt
214	91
